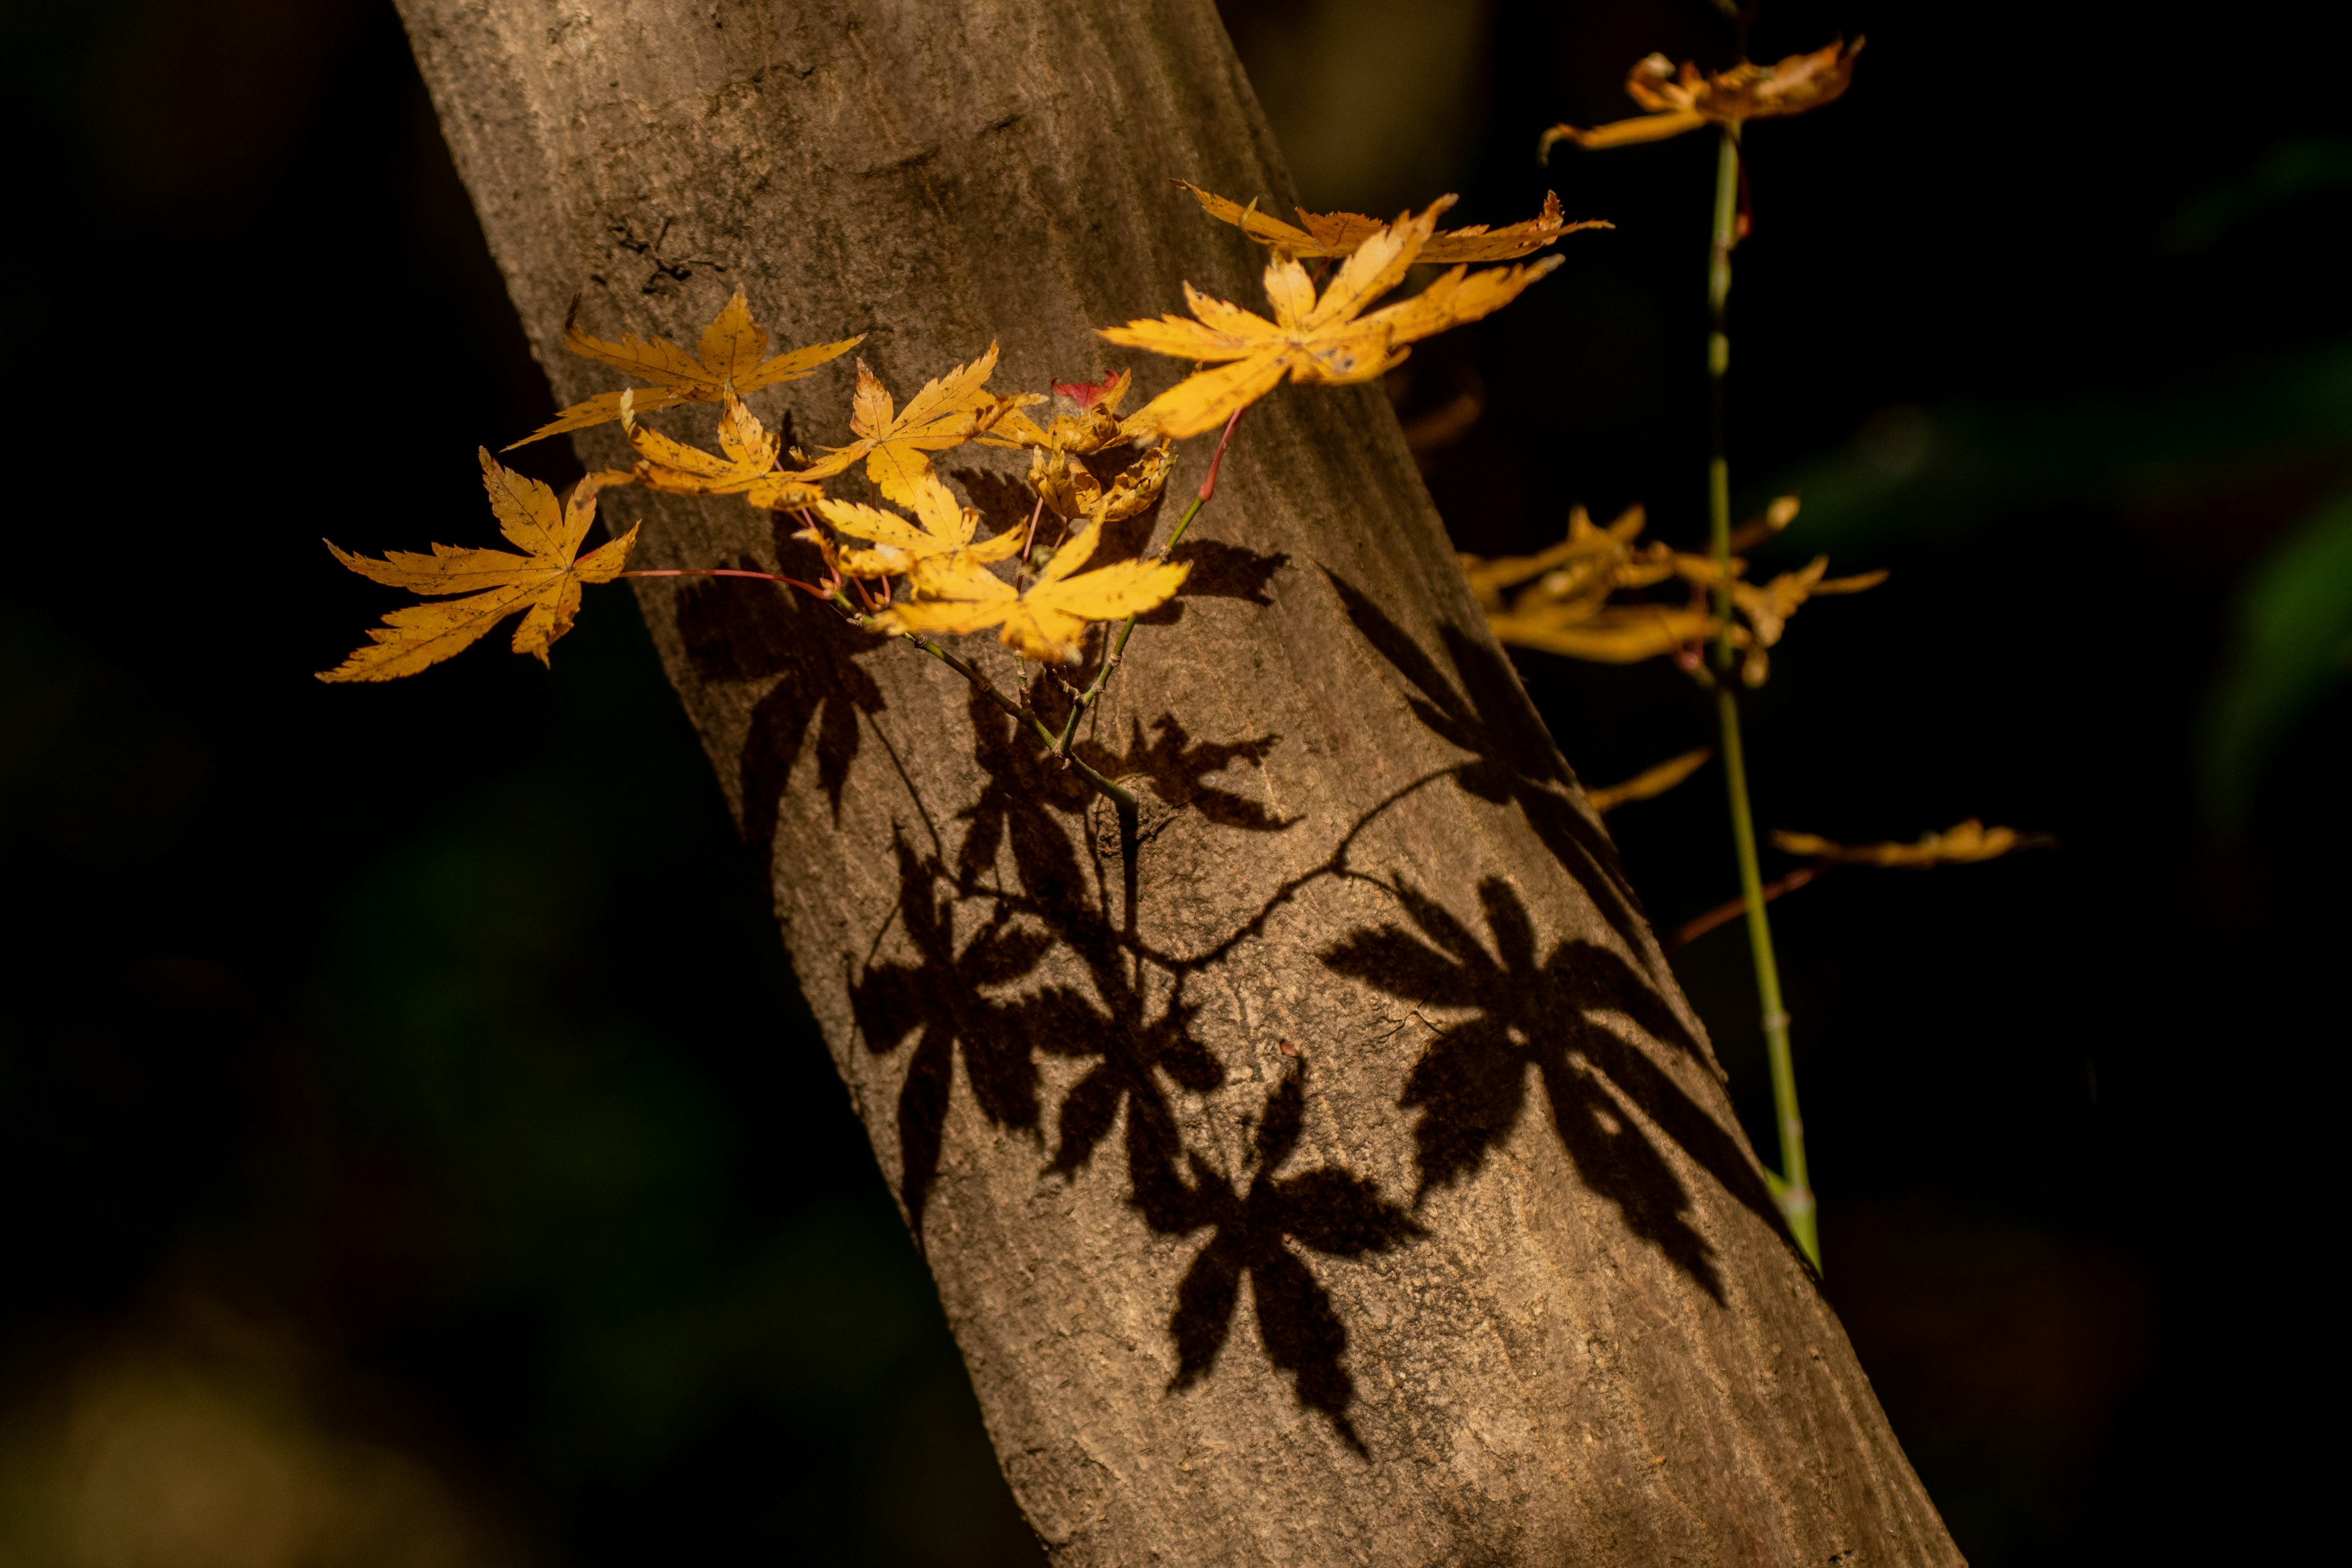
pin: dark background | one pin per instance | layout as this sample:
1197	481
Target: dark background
406	1113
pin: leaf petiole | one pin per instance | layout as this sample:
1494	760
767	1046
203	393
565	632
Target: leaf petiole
1087	698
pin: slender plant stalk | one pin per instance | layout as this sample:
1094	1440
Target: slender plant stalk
1126	628
1790	1188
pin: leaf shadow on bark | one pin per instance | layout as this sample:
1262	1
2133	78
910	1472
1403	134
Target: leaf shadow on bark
1128	1027
1255	1229
1512	759
1028	806
735	632
1552	1015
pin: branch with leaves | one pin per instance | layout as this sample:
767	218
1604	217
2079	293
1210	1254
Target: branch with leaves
917	565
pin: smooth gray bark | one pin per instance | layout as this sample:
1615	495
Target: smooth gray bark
1325	1168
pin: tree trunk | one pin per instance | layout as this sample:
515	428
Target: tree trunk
1357	1012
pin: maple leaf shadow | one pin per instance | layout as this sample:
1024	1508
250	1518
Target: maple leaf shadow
1470	1084
738	631
942	999
1512	758
1220	571
1254	1228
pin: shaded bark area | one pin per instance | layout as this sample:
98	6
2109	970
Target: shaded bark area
1323	1166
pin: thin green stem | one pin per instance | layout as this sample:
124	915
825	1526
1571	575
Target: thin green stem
1021	716
1086	698
1791	1188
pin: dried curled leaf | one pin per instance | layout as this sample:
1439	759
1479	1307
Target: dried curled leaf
1312	339
1097	424
544	583
1070	489
729	358
1044	621
1649	783
1969	841
896	443
1340	233
1685	99
938	544
745	463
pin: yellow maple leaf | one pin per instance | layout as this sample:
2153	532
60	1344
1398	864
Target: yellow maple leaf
1097	424
729	357
544	583
745	463
1312	339
1044	621
938	544
896	443
1685	99
1340	233
1650	782
1969	841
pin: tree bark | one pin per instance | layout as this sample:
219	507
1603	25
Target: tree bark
1321	1166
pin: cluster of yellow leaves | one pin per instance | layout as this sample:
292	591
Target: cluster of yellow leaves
544	583
1565	606
1969	841
1685	99
951	589
1342	234
1326	337
1562	603
731	357
949	581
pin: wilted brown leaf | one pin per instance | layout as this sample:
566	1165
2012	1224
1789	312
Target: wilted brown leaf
1095	425
545	583
1312	339
1340	233
1071	490
1685	99
727	359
